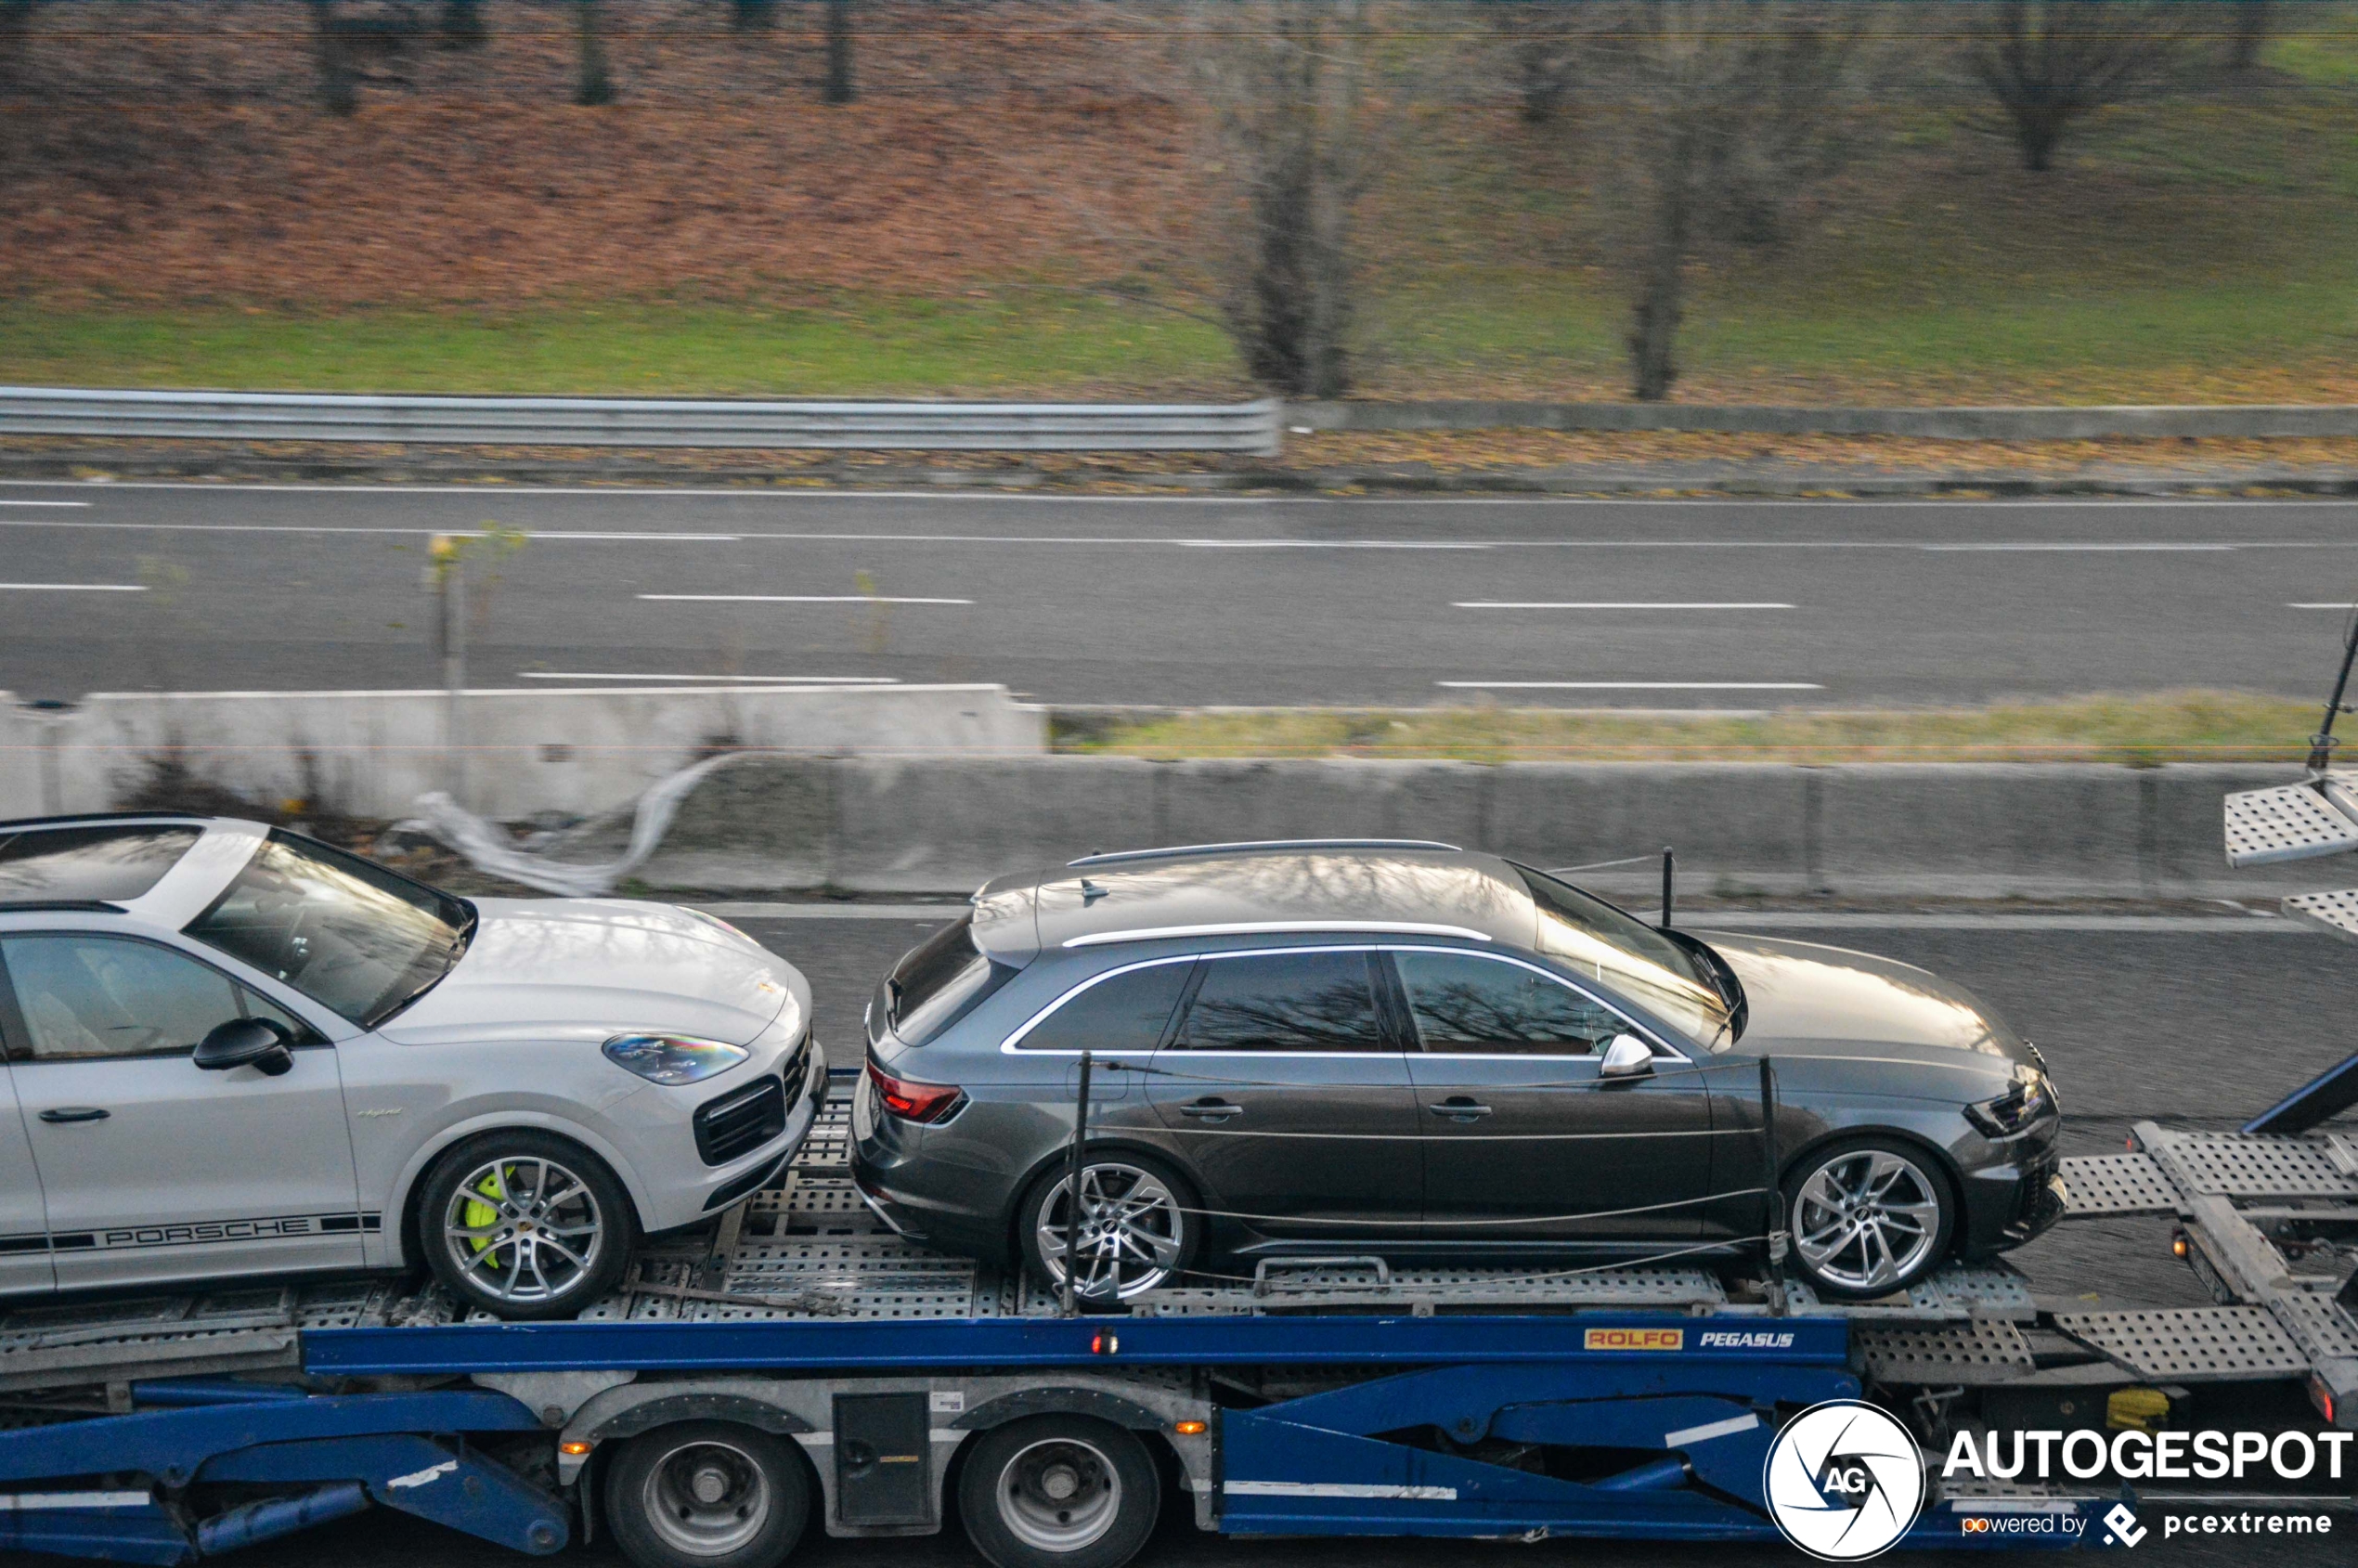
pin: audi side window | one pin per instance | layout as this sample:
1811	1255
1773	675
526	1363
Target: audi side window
1125	1012
1284	1002
1465	1005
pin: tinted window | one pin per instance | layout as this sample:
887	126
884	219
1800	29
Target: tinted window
353	937
939	982
1284	1002
1625	953
1476	1005
1125	1012
111	864
106	996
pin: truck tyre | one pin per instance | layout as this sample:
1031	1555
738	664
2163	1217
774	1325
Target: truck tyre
707	1495
1059	1492
525	1225
1869	1216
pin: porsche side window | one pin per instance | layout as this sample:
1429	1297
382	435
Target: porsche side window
85	997
1284	1002
1125	1012
1470	1005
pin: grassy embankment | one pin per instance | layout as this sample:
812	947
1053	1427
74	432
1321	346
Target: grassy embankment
2186	250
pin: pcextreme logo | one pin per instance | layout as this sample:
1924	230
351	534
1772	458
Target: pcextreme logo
1635	1338
1844	1481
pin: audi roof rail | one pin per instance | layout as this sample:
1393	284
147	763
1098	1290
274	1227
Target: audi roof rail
1117	856
59	906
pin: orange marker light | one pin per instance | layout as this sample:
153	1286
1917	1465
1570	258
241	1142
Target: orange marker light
1188	1429
574	1450
2177	1246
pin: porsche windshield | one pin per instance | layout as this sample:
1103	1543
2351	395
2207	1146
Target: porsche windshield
1594	937
350	936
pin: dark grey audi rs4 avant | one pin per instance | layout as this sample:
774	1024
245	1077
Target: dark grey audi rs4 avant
1427	1055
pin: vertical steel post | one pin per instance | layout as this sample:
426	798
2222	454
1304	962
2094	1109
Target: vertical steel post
1069	1302
450	591
1670	876
1773	1200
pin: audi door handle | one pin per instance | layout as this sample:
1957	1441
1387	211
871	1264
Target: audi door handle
1217	1110
74	1113
1462	1109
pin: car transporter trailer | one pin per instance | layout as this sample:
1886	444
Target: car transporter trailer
803	1360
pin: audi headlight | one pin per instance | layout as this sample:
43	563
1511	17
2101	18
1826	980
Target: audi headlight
673	1058
2031	1097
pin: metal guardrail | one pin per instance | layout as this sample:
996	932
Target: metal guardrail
619	421
2245	420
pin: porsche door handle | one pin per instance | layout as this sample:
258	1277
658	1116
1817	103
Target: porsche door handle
1211	1111
73	1113
1460	1107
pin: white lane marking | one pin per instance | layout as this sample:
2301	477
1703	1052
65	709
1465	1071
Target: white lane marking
1631	685
426	1477
2029	545
665	538
1337	1490
44	504
720	680
1710	1429
796	598
2323	604
33	1502
72	588
1331	544
1610	604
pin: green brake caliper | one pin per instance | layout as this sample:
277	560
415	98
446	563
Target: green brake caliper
480	1216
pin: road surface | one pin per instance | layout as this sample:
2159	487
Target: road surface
1723	604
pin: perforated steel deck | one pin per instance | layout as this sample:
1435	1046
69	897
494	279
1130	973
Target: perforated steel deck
2190	1344
2337	912
2108	1184
2251	1169
1965	1353
2290	823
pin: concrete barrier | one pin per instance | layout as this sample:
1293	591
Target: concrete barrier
370	754
882	825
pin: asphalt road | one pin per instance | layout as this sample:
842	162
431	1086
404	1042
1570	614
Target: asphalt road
1078	600
2202	1024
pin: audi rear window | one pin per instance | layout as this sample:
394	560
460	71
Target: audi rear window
939	982
110	864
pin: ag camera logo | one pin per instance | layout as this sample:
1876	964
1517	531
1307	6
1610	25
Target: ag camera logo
1844	1481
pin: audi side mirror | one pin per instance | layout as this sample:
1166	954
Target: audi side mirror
1628	1057
254	1043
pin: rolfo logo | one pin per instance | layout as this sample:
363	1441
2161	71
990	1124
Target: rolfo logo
1844	1481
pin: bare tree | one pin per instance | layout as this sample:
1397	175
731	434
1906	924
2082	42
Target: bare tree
339	89
462	26
2254	20
1710	117
1286	83
1539	36
838	88
595	83
16	32
2051	62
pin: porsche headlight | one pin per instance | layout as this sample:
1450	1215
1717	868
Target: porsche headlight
2031	1097
673	1058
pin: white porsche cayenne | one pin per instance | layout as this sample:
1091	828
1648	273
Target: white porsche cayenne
231	1050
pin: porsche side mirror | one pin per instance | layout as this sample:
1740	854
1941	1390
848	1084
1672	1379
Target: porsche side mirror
254	1043
1628	1057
